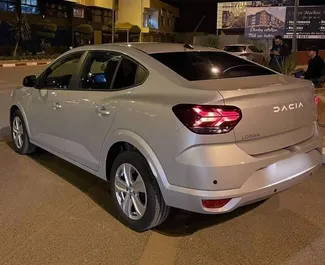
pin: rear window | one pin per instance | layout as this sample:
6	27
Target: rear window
234	48
195	66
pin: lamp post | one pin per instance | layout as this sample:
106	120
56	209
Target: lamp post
295	18
113	21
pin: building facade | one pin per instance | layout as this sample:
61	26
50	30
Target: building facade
264	19
154	18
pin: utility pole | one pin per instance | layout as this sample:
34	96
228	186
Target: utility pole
113	20
295	19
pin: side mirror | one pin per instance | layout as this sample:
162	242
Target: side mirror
29	81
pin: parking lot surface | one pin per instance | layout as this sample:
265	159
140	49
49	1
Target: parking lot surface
54	213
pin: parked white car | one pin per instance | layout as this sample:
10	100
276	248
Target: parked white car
197	129
248	51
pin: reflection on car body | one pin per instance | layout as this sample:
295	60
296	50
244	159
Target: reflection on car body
196	129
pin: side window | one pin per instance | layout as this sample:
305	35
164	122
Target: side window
142	75
99	70
253	48
59	75
126	74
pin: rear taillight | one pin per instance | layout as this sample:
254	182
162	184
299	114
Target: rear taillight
316	100
245	54
207	119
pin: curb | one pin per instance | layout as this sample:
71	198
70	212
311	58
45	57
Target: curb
24	64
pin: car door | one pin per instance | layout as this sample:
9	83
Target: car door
105	81
46	112
256	54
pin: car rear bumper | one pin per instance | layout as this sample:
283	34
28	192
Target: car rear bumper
262	184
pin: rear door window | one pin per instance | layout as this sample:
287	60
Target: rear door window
253	48
208	65
126	74
234	48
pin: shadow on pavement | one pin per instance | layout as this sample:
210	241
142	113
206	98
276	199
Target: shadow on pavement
5	134
180	223
95	188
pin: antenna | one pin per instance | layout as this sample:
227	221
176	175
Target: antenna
190	45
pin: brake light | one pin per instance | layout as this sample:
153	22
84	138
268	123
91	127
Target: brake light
207	119
245	54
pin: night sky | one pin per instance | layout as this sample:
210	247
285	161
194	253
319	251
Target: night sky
302	2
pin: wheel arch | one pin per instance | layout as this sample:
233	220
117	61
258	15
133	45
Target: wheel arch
130	141
15	107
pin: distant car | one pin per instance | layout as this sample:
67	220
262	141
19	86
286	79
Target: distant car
191	128
248	51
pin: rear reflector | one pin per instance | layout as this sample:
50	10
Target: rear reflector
207	119
215	204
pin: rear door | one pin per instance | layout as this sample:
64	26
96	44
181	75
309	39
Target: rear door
105	81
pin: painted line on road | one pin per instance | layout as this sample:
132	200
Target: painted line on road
160	250
8	65
5	91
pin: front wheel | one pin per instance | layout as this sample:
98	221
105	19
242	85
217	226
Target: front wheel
136	193
19	135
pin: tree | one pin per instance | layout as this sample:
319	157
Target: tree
21	29
213	41
46	31
85	33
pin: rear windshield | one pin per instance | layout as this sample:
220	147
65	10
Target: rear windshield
234	48
195	66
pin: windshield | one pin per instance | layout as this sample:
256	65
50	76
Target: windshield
195	65
234	48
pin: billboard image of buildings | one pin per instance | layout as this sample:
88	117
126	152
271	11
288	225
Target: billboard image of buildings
265	22
231	15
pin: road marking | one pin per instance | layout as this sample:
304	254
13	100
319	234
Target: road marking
160	250
9	65
5	91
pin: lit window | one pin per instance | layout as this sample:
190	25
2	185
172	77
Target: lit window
78	12
7	5
29	7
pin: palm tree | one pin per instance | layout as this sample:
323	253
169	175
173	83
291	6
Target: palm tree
21	30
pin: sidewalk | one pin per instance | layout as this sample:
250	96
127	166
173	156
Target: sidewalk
24	63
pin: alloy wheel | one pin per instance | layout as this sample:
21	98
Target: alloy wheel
18	132
130	191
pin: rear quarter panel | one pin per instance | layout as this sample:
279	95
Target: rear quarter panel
146	120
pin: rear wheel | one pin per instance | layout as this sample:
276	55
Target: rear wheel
136	193
19	135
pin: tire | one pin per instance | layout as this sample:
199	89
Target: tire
24	147
156	211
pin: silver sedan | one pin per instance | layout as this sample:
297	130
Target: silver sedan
171	126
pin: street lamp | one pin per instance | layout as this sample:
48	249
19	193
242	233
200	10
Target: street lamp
295	18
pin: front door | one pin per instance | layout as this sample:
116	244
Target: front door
106	80
47	108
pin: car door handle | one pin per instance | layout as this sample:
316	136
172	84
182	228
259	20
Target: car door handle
102	111
57	105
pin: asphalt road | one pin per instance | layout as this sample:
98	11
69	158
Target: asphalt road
54	213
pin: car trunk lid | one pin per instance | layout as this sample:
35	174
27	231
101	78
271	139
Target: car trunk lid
277	111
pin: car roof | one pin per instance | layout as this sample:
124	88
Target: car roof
149	47
238	45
